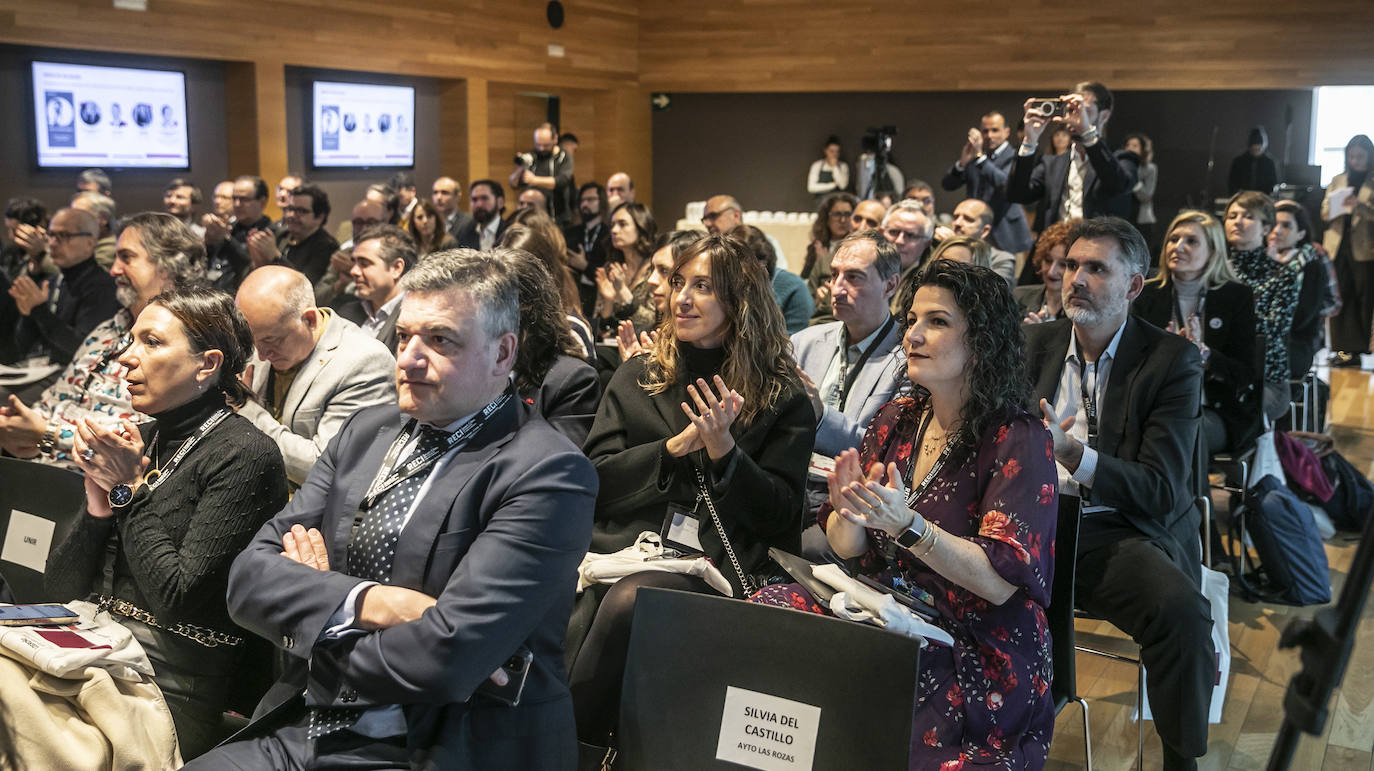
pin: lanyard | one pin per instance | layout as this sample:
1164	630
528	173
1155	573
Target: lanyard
1179	320
1089	395
848	377
388	476
158	476
916	492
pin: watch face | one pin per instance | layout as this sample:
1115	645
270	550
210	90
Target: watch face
907	538
120	495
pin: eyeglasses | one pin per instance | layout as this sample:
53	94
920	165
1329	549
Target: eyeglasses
62	236
708	218
841	215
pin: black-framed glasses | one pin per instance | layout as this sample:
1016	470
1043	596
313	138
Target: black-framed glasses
63	236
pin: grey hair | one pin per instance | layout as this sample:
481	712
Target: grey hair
1130	245
89	223
887	260
176	251
299	296
102	206
98	177
913	206
489	279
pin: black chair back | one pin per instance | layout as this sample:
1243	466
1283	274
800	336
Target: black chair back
1060	612
38	506
691	655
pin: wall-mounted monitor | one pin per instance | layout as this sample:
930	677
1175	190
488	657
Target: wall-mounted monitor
113	117
358	125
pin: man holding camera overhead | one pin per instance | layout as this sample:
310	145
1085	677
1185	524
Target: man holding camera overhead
549	169
1089	180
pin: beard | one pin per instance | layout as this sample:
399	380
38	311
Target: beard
126	295
483	216
1114	307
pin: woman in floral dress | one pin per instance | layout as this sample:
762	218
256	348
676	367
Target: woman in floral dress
965	478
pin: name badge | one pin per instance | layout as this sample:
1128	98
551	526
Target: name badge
820	466
681	529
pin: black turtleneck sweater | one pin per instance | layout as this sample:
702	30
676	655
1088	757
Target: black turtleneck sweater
176	543
85	298
757	487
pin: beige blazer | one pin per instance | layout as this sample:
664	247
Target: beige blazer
348	370
1360	225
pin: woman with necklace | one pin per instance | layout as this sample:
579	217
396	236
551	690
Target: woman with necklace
1196	295
713	408
958	507
181	499
622	286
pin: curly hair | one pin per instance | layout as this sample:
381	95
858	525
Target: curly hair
758	353
997	381
544	331
1052	236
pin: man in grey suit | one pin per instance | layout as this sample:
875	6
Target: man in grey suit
314	368
983	168
433	548
380	257
851	367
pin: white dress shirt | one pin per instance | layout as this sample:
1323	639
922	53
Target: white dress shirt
1068	400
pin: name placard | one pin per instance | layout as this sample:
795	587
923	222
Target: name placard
767	732
27	540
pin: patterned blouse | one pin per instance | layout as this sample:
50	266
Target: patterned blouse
88	389
986	701
1276	286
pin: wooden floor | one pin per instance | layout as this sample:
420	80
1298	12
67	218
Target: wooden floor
1260	672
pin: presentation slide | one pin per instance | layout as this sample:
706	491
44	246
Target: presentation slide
363	125
113	117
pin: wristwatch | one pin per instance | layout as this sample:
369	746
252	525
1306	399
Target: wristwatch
121	495
909	537
48	444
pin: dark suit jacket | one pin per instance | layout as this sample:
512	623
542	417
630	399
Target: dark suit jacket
354	311
85	298
1106	186
497	539
988	183
456	221
1230	382
469	239
1148	430
596	257
568	397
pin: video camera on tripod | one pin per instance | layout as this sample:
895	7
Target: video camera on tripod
877	141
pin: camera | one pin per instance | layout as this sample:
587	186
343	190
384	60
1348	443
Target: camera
1047	107
524	159
879	139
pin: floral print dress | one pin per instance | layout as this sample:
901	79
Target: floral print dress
985	702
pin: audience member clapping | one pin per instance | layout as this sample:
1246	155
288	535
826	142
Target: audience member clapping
715	409
304	243
982	169
156	254
667	249
622	283
950	498
1196	295
226	242
176	502
1045	301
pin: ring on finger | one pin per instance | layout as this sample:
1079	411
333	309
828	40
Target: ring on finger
87	454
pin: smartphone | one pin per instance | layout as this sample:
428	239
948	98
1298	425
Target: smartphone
1047	107
910	601
36	615
517	668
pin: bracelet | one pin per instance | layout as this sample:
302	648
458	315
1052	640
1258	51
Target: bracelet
923	546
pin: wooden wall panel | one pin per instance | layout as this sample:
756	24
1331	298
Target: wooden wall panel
436	38
938	45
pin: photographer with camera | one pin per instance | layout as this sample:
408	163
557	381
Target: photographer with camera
876	172
550	169
1089	180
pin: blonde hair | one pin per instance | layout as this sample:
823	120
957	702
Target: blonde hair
1218	270
758	353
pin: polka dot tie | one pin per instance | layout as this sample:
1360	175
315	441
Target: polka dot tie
373	553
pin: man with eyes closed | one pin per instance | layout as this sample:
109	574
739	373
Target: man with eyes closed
430	547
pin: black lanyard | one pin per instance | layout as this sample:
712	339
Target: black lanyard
916	492
388	477
1178	309
160	475
847	376
1089	395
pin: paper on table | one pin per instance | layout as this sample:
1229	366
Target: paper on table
1336	200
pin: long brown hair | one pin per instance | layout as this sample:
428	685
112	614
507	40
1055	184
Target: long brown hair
758	354
435	242
538	235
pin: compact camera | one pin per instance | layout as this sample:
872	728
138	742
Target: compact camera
524	159
1048	107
